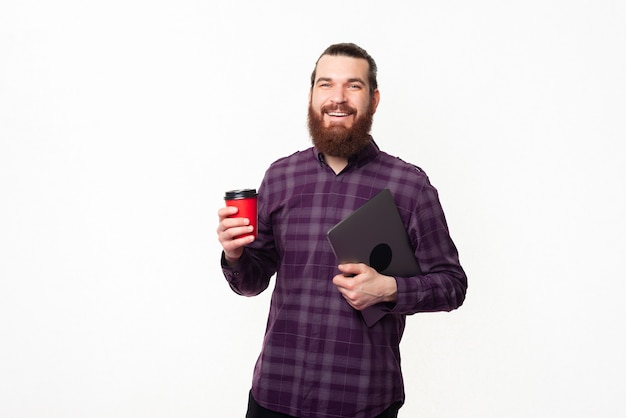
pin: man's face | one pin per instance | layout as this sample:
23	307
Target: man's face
340	105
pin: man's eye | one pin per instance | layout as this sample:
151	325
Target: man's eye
355	86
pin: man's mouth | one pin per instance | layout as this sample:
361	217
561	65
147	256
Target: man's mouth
338	112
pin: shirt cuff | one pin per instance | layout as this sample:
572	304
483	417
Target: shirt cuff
229	272
403	289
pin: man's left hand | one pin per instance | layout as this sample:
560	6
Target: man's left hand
362	286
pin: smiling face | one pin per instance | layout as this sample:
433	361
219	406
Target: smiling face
341	106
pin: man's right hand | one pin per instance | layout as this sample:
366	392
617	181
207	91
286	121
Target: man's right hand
230	228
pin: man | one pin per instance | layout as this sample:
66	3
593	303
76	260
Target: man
319	358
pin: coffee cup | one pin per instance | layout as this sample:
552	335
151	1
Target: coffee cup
246	201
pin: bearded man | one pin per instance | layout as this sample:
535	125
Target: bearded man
319	357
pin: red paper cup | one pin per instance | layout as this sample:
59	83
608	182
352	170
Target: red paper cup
246	201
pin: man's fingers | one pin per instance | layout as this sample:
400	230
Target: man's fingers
227	211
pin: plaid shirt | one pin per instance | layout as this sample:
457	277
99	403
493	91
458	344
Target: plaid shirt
319	359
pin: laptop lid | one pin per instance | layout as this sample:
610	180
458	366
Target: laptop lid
374	234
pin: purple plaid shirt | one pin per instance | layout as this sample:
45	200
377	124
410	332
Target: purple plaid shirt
319	359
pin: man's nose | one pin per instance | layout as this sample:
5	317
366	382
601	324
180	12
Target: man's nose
338	95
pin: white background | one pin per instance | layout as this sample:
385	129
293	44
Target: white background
123	122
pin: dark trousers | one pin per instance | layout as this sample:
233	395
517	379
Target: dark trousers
257	411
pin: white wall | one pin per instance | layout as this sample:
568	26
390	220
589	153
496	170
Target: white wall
122	123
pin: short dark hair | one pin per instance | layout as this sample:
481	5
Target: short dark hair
354	51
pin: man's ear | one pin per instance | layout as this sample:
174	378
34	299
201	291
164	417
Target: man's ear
375	100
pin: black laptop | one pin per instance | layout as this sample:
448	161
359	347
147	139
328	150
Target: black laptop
374	234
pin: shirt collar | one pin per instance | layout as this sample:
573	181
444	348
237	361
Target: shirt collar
367	154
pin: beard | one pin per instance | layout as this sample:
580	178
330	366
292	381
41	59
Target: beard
337	140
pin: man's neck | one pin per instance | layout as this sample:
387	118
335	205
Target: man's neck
336	163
